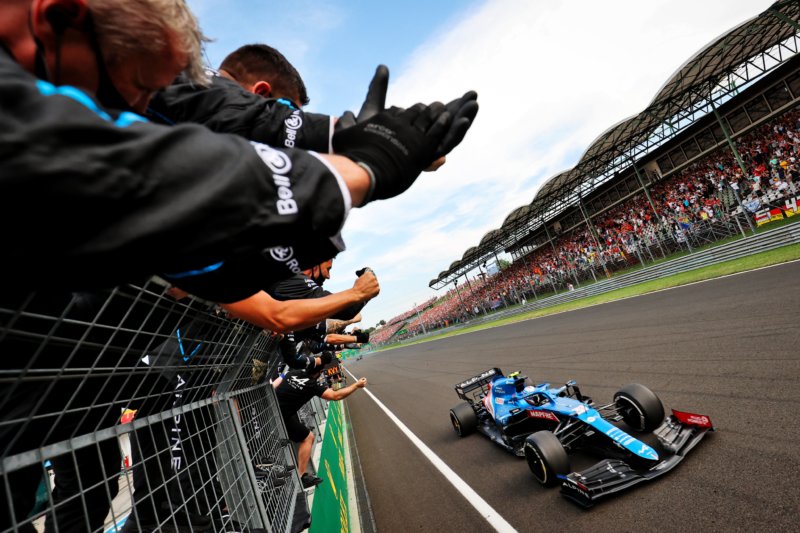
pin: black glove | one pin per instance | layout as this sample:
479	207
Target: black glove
288	350
362	271
394	146
326	357
374	103
307	362
362	337
463	111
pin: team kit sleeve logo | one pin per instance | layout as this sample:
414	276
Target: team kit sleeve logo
284	255
298	383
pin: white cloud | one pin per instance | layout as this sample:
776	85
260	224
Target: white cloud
551	77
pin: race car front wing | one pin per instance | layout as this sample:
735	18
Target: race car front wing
679	433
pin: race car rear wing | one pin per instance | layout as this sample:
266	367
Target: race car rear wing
473	388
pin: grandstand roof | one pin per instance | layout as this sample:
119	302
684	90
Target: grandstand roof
554	183
705	69
707	79
517	214
490	237
469	253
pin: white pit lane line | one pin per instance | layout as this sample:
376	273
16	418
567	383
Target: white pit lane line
487	511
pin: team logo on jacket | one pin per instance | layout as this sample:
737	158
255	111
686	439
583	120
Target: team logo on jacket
277	162
281	253
293	123
280	164
285	254
298	383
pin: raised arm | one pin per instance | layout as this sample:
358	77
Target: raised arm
282	316
341	394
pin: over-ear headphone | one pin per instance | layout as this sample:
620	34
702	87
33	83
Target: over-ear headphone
61	17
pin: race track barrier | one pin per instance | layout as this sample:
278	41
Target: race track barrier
206	449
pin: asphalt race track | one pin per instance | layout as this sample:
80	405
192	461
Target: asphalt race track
727	348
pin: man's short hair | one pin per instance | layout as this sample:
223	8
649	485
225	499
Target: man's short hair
256	62
127	27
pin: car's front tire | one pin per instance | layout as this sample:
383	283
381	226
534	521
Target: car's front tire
464	419
640	408
546	457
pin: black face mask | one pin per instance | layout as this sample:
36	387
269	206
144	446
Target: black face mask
107	94
316	276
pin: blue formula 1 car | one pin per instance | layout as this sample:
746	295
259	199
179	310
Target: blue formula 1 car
544	424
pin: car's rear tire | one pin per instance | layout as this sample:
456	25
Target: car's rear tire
546	457
640	408
464	419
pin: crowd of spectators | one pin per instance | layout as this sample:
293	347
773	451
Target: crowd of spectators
395	324
700	193
385	333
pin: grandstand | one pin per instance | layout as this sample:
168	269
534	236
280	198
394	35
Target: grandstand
716	153
397	323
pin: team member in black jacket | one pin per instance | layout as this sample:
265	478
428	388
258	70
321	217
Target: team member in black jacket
294	390
226	106
263	70
307	286
231	105
326	332
264	81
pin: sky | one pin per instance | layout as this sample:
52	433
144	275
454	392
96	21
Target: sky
551	76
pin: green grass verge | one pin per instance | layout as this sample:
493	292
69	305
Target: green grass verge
772	257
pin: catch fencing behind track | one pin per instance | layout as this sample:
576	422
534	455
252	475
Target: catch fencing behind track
206	449
750	245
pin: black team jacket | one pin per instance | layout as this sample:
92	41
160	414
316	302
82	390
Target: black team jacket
90	197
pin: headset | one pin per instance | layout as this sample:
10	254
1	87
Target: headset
61	17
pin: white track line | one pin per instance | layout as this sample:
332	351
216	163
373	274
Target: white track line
480	505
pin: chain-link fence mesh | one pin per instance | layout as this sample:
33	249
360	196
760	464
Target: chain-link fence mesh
128	407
